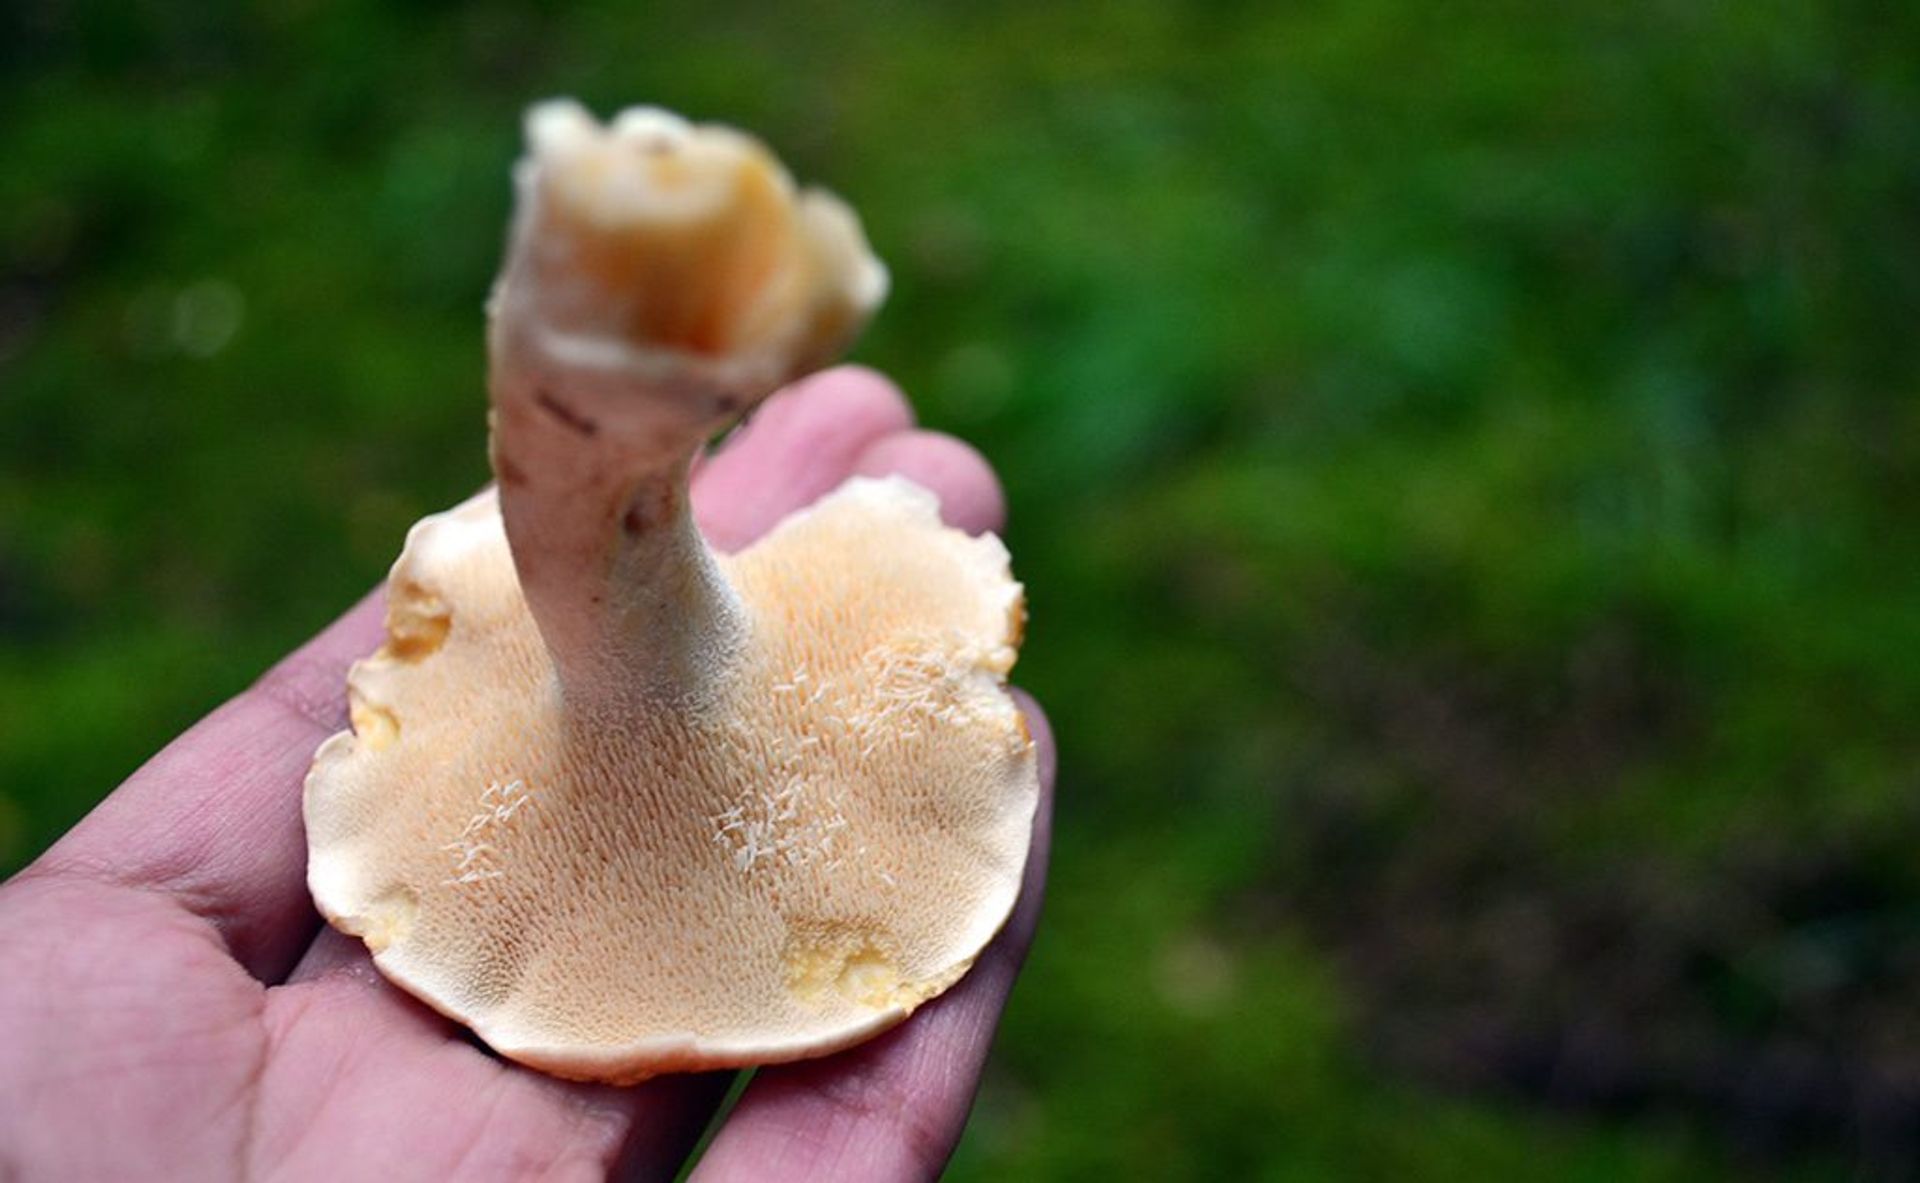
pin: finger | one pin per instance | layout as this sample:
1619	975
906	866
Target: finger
892	1108
375	1070
969	492
800	444
213	820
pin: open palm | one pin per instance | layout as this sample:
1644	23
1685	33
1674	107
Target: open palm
171	1006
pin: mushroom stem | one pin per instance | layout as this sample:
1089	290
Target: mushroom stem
593	492
661	279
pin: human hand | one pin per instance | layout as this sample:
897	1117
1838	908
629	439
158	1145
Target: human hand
172	1007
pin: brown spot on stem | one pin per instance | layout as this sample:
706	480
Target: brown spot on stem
571	419
649	509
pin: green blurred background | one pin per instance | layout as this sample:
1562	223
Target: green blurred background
1464	457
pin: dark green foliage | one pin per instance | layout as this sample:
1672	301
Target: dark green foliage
1465	459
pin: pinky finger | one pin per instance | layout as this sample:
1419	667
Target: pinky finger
969	492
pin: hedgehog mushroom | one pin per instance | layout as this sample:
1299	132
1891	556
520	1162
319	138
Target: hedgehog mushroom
621	804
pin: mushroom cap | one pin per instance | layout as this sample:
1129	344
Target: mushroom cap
782	868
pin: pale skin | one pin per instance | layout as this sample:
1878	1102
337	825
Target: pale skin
172	1007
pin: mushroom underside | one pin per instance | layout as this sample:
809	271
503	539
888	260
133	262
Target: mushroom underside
797	859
